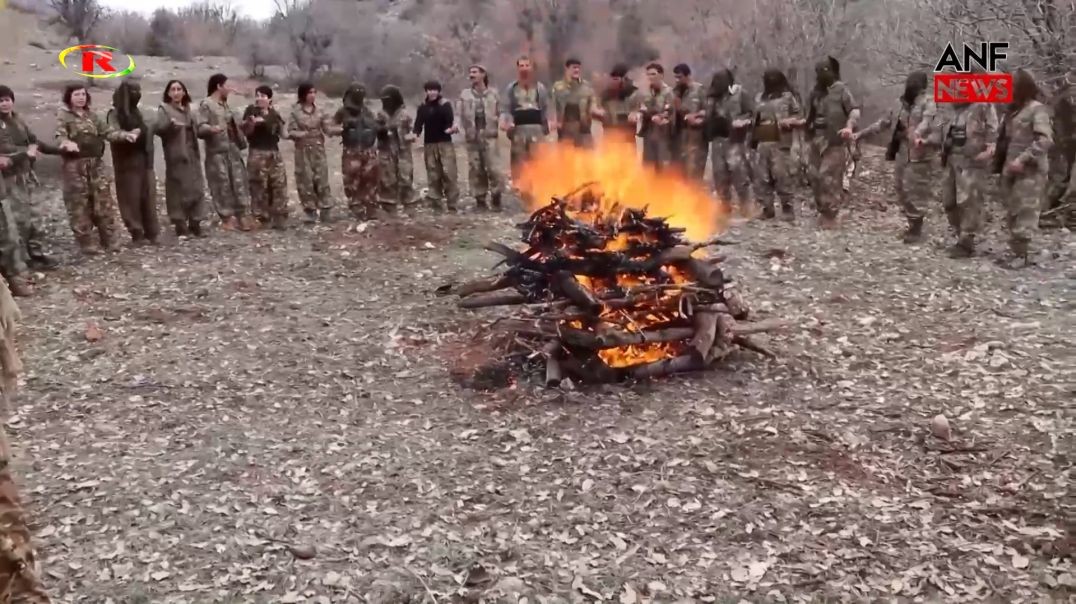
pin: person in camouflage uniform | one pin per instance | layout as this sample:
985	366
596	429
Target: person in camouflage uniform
435	121
358	129
132	162
689	125
479	108
777	113
19	144
616	105
87	188
184	184
225	171
1025	139
831	120
574	106
1060	206
308	126
525	117
729	110
968	144
394	142
12	251
264	127
652	115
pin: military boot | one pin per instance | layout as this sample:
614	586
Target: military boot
768	212
914	234
310	216
246	223
138	239
963	248
827	222
788	213
480	204
229	224
325	215
181	227
43	261
280	222
195	228
20	287
497	207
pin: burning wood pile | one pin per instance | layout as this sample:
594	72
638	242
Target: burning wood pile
606	293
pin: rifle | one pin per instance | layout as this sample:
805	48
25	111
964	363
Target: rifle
1002	148
893	147
947	146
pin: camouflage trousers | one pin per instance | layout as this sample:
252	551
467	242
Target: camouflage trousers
87	193
312	177
441	174
657	150
574	133
226	175
1023	195
915	187
524	139
28	214
13	258
360	171
482	171
268	184
397	176
962	195
691	153
828	164
731	171
773	174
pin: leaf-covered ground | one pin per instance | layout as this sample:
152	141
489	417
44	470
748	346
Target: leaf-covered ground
269	418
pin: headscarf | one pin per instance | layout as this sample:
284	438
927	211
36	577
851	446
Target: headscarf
354	98
721	82
391	99
125	102
774	83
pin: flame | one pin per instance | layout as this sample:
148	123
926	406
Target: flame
612	168
598	186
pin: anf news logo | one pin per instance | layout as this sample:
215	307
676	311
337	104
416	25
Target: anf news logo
967	87
96	61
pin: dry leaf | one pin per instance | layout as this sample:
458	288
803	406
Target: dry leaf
303	551
1020	561
578	585
939	427
93	332
629	595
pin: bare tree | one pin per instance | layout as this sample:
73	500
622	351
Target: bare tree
78	16
219	15
309	38
554	23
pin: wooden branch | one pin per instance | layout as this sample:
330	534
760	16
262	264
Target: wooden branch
478	286
493	299
617	339
571	288
680	364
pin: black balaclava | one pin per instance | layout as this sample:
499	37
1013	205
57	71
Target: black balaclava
827	71
774	83
721	82
914	85
354	98
391	99
1024	88
125	100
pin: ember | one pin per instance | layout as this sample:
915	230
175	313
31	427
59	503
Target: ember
607	292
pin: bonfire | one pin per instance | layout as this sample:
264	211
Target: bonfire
616	278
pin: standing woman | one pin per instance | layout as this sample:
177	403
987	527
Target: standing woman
87	189
184	185
136	185
268	178
358	129
308	126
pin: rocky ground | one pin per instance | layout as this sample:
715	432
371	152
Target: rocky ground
269	417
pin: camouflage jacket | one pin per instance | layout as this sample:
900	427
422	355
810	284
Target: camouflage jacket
721	112
15	138
212	112
647	103
617	105
89	131
478	113
971	128
768	112
828	111
1030	135
923	122
573	102
1063	109
688	102
394	131
308	128
533	100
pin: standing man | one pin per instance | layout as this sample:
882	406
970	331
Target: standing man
479	108
777	113
968	145
225	171
435	123
923	143
1060	206
653	116
20	144
831	120
689	106
394	141
616	104
526	113
728	114
1026	135
358	162
574	104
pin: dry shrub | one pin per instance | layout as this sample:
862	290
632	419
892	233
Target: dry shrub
333	84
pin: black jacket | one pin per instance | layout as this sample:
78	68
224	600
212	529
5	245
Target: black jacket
434	118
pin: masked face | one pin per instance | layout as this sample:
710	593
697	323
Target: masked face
824	75
773	82
719	85
914	85
1024	88
7	105
134	94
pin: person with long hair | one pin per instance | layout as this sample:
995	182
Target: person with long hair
479	110
308	126
225	170
184	184
777	115
87	188
136	184
264	127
